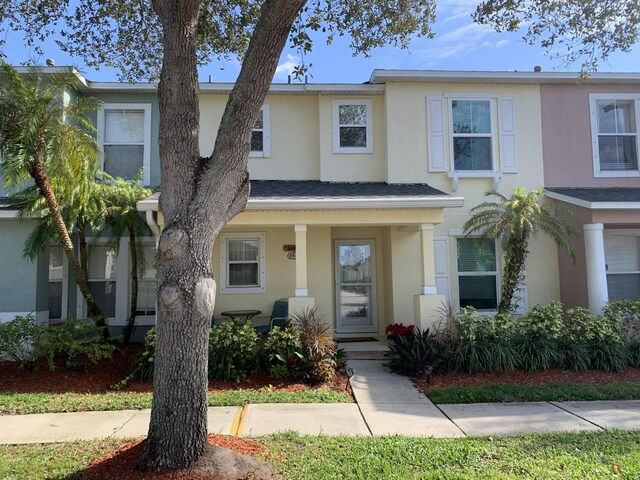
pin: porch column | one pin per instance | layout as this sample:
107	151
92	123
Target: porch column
427	304
428	272
301	301
596	267
301	261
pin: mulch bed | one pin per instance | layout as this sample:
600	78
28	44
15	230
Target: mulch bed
110	371
121	464
519	377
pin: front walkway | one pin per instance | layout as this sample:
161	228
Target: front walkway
386	404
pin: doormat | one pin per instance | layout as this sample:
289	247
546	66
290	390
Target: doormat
357	339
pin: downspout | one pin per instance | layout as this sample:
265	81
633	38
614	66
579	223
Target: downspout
153	226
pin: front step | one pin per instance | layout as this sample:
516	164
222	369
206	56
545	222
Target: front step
364	350
364	355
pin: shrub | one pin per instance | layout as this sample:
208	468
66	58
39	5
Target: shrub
282	353
318	347
398	329
625	315
483	343
544	321
416	352
575	355
538	353
77	343
143	365
18	338
634	354
233	351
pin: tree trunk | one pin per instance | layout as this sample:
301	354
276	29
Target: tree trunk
199	196
41	180
515	258
134	288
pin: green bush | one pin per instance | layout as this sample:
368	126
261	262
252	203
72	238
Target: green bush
625	314
318	347
233	351
575	355
634	354
416	352
18	338
283	348
77	343
543	321
143	365
609	356
483	343
538	353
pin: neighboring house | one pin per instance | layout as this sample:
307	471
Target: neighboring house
591	146
359	196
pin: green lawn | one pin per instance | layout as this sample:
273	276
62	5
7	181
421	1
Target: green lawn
584	456
24	403
536	393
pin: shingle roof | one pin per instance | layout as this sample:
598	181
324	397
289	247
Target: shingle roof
315	189
617	194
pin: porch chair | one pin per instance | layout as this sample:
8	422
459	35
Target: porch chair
279	317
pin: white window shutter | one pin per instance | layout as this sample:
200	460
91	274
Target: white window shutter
507	130
435	134
520	299
441	262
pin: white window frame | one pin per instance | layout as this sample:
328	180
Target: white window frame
225	288
492	136
368	104
266	135
142	319
65	285
595	133
478	274
611	234
146	157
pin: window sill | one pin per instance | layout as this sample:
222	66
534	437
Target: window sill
255	154
238	290
457	174
617	174
353	150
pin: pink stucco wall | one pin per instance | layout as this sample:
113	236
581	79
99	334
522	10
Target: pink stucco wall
566	136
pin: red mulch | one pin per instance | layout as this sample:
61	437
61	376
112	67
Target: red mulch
110	371
520	377
121	464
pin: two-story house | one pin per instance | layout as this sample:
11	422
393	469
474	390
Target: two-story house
359	196
591	143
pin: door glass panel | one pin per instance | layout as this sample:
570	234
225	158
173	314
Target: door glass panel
355	287
355	263
355	306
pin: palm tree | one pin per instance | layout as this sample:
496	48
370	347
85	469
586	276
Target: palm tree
513	221
44	140
121	197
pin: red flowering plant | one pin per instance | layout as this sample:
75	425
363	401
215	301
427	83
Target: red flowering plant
396	330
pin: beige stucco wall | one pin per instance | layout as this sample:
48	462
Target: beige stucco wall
566	130
294	145
351	167
408	163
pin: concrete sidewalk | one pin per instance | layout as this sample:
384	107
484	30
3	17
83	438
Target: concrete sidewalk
386	404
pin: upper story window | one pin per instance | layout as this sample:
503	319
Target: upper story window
614	126
352	126
471	134
261	135
124	131
242	263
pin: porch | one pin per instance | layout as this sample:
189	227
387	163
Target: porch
363	255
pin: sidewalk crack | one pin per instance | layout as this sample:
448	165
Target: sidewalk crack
576	415
123	424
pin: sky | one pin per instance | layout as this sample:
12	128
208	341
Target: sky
459	44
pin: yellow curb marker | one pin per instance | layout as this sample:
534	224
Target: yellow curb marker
238	421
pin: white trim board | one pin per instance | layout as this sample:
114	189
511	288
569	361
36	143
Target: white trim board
593	205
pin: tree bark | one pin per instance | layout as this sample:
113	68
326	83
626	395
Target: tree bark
133	306
199	195
515	258
41	180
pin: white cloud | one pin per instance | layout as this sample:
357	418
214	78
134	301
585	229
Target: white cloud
286	68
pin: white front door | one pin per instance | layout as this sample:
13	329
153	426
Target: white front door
355	273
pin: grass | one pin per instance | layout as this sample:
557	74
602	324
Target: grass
558	456
559	392
26	403
584	456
